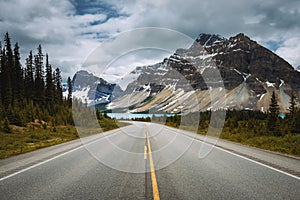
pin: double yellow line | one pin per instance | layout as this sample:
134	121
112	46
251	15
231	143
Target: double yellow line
152	168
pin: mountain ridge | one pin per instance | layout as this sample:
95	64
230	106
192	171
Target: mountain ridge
250	73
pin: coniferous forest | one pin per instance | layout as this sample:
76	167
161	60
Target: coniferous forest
32	92
33	111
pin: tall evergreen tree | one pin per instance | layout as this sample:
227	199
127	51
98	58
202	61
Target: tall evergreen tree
17	76
294	116
292	107
296	124
58	86
39	77
29	77
1	60
6	72
49	88
69	91
272	121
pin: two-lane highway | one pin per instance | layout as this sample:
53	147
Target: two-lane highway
148	161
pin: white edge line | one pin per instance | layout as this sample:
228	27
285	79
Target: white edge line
259	163
53	158
38	164
240	156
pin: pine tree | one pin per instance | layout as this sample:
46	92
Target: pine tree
292	107
6	72
296	124
1	60
3	79
17	76
69	91
2	111
39	77
49	88
272	121
58	86
29	77
294	117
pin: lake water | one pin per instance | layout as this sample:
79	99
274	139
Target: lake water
132	116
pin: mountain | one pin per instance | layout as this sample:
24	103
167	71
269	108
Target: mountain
185	82
250	73
93	90
298	68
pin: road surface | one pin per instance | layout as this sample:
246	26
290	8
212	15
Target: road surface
145	161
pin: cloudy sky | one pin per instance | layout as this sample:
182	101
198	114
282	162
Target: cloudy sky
70	31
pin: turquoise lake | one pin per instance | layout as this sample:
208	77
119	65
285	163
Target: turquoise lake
132	116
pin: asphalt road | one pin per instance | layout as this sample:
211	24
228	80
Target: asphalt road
148	161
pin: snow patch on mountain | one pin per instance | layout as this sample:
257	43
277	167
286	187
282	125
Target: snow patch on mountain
132	99
270	84
82	95
128	78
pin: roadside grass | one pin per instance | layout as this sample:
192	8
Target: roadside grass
30	138
287	144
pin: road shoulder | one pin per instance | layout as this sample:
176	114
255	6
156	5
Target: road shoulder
283	162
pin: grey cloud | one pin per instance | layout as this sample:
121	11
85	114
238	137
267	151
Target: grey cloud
261	20
69	38
51	23
282	15
224	17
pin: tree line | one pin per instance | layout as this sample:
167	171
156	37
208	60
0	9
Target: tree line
33	91
248	123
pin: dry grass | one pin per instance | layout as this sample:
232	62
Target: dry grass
36	136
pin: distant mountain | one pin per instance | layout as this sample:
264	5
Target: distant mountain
298	68
93	90
250	73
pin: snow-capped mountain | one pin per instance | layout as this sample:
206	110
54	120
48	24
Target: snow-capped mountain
249	72
186	81
93	90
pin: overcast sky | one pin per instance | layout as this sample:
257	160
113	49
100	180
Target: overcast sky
70	31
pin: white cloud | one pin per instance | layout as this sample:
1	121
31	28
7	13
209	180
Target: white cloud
137	47
52	24
290	50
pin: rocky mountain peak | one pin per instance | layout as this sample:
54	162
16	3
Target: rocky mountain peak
82	79
84	73
240	37
92	89
209	39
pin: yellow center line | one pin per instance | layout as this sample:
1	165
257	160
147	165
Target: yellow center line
145	152
152	169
